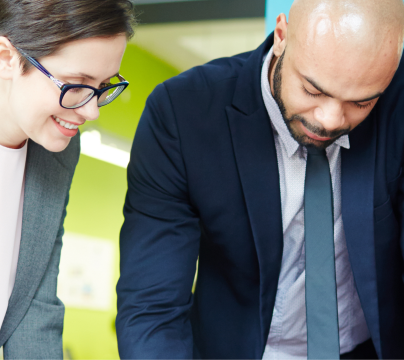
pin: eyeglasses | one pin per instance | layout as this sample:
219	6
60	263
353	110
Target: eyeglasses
74	95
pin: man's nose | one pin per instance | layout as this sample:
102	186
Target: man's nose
89	111
330	115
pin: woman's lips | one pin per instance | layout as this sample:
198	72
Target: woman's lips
312	136
66	132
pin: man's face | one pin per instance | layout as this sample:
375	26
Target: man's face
324	94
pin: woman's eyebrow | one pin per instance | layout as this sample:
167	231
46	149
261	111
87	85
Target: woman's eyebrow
90	77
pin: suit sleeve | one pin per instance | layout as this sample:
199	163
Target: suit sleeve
39	335
159	242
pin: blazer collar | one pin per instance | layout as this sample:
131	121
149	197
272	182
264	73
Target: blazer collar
248	96
47	183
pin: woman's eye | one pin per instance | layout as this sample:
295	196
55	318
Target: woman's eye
310	94
76	90
104	85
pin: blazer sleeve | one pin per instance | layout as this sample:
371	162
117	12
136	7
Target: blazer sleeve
159	242
39	335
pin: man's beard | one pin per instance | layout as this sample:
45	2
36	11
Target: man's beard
302	139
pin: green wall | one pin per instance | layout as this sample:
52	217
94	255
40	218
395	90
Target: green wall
97	197
144	72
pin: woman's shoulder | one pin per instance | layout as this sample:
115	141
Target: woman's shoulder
68	158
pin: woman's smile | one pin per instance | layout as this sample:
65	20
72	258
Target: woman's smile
66	128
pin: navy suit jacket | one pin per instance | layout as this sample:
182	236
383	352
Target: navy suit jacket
203	181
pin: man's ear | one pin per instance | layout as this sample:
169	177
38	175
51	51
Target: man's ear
9	59
281	31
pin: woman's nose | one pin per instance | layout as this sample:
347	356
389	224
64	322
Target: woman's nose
89	111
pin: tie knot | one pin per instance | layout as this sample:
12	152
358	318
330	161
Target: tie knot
312	150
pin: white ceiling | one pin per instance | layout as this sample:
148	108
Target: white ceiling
184	45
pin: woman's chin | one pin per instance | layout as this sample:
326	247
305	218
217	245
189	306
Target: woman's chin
55	145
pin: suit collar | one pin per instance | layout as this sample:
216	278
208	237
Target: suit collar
248	96
47	183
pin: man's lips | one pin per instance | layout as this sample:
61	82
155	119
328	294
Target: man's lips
313	136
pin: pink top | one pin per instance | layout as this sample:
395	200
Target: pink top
12	170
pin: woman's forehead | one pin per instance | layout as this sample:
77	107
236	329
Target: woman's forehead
93	58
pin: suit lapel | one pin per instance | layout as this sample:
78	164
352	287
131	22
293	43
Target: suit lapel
258	169
255	153
357	178
46	186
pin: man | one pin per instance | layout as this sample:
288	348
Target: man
281	169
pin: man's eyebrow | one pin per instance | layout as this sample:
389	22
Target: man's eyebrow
316	86
369	99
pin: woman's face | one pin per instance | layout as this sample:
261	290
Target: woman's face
30	103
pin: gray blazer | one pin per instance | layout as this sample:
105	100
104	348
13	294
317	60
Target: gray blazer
33	324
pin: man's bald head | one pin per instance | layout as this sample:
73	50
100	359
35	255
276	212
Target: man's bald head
332	62
354	24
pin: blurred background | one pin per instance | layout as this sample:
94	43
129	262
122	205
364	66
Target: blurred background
172	36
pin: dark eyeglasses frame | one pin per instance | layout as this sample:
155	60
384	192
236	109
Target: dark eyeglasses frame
64	88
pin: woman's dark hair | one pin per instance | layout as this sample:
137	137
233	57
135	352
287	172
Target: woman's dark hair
40	27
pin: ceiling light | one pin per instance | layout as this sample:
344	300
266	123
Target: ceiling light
93	146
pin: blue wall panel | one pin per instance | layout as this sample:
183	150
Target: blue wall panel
273	9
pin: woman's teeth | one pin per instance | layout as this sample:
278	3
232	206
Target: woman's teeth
65	124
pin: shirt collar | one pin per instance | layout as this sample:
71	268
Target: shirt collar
276	117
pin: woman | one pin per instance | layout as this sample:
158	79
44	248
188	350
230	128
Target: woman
59	62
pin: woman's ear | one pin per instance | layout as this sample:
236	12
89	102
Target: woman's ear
281	31
9	59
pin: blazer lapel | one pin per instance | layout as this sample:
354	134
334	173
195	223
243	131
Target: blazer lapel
258	169
255	154
46	185
357	177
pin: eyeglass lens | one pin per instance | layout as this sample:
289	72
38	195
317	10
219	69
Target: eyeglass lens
76	97
110	95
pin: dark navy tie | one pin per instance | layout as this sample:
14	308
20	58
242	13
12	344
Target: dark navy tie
321	289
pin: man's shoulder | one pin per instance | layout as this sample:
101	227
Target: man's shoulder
395	92
389	110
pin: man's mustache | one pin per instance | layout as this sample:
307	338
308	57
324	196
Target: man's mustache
318	131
